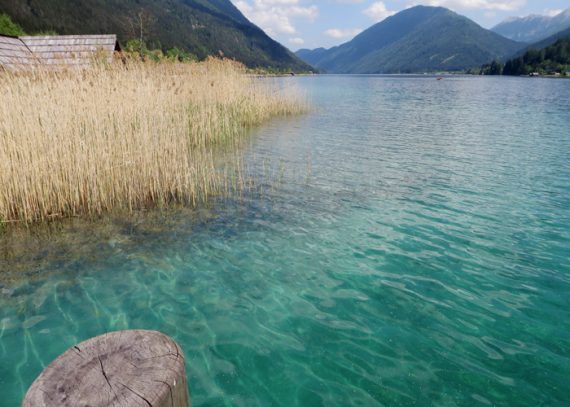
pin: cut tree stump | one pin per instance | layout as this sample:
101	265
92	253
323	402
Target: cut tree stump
124	368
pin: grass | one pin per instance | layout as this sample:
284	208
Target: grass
128	136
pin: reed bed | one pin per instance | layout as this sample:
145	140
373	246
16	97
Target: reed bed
127	136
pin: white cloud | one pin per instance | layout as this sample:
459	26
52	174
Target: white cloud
498	5
276	16
278	2
552	13
296	41
339	33
378	11
349	1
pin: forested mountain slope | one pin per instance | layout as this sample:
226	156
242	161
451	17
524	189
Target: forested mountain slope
203	27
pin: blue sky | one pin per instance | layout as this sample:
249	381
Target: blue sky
324	23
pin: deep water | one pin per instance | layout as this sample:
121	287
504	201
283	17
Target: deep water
405	243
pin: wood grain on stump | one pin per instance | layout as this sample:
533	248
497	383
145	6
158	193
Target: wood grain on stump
124	368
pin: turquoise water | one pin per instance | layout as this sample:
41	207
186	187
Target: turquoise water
406	243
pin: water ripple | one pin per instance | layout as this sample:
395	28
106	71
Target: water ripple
408	243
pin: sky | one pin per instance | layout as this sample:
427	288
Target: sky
325	23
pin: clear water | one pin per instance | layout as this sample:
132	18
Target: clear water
408	244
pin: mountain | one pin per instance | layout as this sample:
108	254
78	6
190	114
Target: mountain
533	28
203	27
418	39
311	55
546	42
554	58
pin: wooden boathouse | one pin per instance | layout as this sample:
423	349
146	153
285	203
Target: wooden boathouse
54	51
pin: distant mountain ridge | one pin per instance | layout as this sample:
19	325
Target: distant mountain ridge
533	28
545	42
552	39
418	39
203	27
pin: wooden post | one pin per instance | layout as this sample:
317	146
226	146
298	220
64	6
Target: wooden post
124	368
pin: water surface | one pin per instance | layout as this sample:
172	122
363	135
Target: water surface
406	243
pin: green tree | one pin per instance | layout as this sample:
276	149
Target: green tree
494	68
177	54
8	27
534	56
136	46
515	67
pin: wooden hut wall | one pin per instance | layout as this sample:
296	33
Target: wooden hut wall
14	55
54	51
70	49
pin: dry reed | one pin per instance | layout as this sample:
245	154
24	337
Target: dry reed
123	136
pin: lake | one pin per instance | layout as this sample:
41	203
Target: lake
407	242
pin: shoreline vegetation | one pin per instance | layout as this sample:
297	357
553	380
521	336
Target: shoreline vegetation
552	61
126	136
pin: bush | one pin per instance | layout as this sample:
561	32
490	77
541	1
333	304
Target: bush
8	27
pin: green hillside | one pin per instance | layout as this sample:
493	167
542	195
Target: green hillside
418	39
544	43
202	27
554	58
311	55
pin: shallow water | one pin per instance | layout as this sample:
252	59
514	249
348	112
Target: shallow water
406	243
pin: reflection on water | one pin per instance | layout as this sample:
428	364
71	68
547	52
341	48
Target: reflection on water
408	242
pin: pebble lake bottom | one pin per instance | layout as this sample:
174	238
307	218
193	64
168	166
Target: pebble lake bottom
407	244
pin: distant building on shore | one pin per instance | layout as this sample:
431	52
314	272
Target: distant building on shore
55	51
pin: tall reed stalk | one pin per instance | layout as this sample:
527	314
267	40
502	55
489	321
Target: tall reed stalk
123	136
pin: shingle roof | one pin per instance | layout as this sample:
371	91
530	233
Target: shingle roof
14	54
54	51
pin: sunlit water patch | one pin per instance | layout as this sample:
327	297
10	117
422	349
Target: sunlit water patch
406	243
